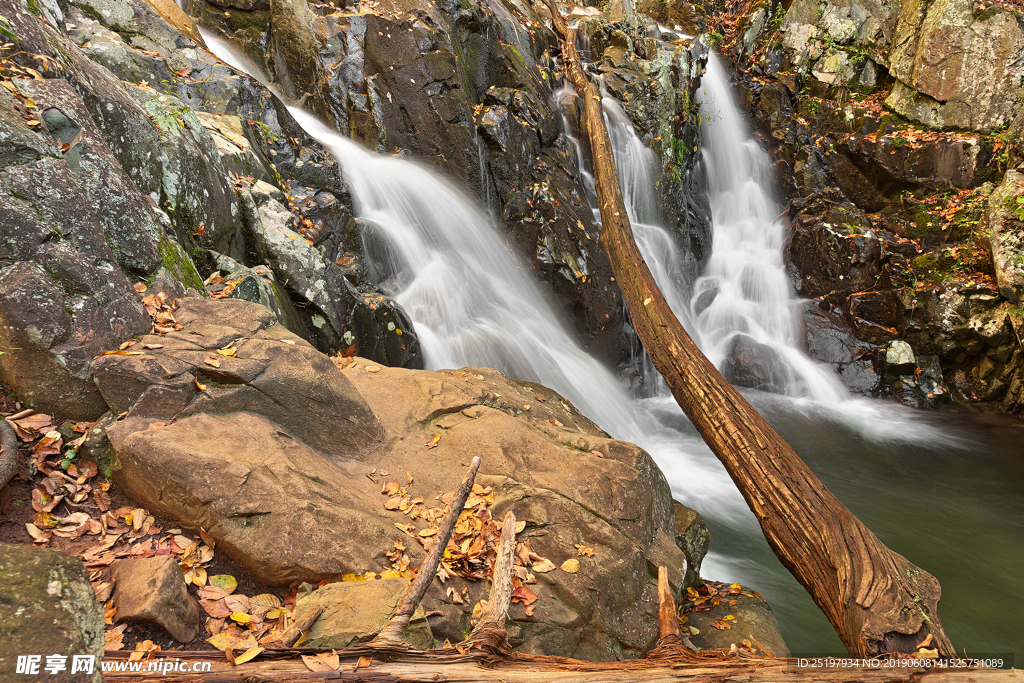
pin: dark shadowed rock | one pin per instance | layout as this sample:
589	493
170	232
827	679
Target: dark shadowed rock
49	607
754	365
752	620
693	538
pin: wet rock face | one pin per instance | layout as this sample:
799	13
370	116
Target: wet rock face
753	365
72	225
270	458
468	89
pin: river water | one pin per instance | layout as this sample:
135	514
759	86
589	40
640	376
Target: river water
946	492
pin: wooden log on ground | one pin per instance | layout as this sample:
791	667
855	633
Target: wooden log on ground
391	635
490	633
522	669
876	599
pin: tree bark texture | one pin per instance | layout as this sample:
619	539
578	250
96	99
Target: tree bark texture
876	599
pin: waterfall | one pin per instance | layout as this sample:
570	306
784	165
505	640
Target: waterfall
744	295
473	303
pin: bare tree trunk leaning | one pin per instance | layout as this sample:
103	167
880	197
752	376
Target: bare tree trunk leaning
876	599
391	634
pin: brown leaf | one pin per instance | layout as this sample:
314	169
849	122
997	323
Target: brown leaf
570	566
210	360
543	566
316	664
215	608
114	638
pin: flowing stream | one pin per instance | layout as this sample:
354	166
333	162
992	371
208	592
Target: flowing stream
473	303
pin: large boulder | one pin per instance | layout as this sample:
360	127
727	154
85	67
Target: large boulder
278	456
356	611
48	607
956	64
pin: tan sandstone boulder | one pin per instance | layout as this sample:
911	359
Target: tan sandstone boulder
281	457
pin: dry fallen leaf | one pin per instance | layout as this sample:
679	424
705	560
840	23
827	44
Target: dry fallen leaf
582	550
543	566
248	655
316	664
570	566
210	360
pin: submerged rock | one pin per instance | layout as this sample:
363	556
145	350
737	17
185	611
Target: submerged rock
754	365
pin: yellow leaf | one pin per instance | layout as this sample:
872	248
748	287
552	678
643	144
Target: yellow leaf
728	617
202	387
199	577
570	566
520	526
352	578
223	640
241	617
210	360
225	582
227	352
647	301
426	533
248	655
275	614
30	103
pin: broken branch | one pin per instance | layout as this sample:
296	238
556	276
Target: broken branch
489	633
391	634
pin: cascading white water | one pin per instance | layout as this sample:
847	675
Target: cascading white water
744	289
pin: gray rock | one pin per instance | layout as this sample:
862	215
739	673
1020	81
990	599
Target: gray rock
899	358
354	612
693	538
152	590
49	608
337	316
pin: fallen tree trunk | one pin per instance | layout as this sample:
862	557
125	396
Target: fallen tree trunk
876	599
412	667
